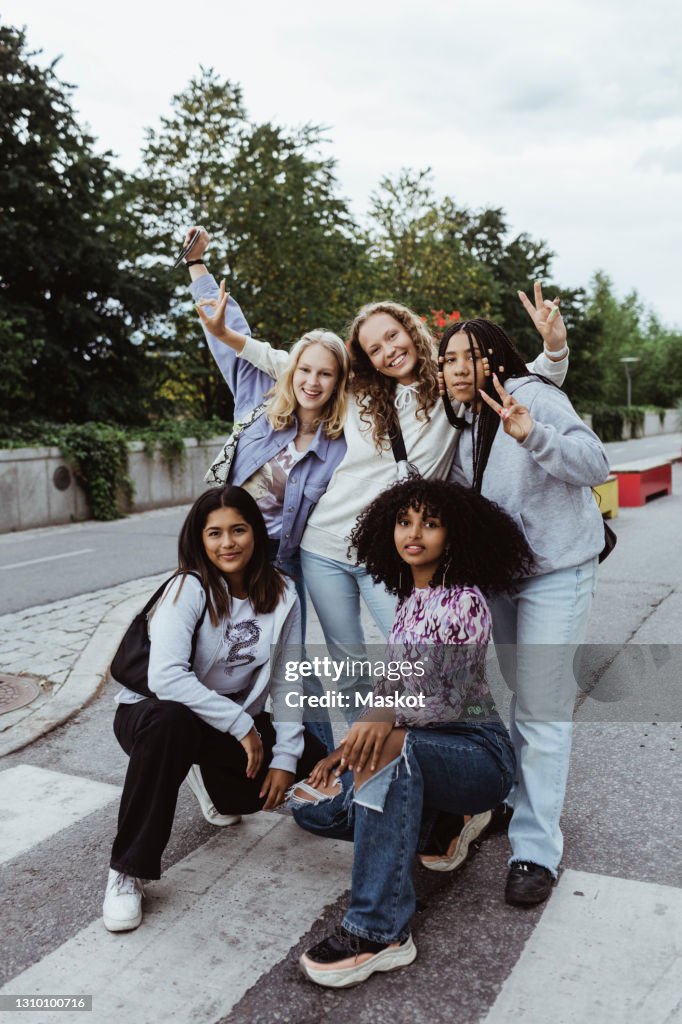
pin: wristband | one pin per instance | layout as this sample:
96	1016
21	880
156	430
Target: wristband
194	263
558	355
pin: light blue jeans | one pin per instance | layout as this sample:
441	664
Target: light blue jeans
537	632
335	589
462	772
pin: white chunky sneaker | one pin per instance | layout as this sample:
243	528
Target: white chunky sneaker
122	910
213	816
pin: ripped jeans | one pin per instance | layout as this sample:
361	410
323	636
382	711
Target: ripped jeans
390	818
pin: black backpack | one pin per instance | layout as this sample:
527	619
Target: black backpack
130	666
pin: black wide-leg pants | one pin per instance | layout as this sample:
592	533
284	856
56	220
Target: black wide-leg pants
163	740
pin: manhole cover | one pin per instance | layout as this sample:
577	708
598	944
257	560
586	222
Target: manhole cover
16	692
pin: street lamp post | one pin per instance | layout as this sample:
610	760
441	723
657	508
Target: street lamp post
627	362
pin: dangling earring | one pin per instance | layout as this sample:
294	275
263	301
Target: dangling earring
447	566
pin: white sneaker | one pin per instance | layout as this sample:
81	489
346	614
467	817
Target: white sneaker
122	910
213	816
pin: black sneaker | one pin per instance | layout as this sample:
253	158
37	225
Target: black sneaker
528	884
343	959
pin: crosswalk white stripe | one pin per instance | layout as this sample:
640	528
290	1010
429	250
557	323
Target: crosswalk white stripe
35	803
215	923
606	949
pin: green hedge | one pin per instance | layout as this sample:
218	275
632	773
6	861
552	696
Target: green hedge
608	421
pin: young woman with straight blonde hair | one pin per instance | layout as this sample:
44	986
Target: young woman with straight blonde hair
291	440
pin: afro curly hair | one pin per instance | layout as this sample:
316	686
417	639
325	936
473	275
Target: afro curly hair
485	548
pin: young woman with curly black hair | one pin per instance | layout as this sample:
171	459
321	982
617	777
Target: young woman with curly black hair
439	753
523	446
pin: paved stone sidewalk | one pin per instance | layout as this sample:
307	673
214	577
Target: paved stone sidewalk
54	644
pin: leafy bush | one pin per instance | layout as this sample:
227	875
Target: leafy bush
99	453
609	421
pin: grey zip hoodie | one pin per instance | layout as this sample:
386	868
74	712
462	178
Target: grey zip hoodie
544	482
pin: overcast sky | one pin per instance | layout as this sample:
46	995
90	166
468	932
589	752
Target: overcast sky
568	115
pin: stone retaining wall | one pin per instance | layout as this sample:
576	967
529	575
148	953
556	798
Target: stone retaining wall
37	485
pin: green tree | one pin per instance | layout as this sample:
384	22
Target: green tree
280	232
434	254
606	329
418	252
68	310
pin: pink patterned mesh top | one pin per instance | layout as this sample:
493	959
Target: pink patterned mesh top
446	630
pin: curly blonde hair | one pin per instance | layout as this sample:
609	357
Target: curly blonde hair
375	392
283	404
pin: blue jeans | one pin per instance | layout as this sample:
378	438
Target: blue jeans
537	632
462	772
321	728
335	589
292	566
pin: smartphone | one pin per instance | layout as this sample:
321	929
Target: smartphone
185	249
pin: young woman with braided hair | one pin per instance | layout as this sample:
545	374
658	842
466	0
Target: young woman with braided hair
523	446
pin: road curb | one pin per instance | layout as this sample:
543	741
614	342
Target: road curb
86	679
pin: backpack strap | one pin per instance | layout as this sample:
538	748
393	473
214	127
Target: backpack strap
405	470
156	596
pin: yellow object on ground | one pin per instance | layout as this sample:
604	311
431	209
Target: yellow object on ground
606	496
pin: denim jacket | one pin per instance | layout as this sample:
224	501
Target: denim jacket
259	442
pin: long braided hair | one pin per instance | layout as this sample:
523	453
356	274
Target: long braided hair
500	356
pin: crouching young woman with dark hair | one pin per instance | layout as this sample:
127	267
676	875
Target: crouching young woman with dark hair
210	672
412	777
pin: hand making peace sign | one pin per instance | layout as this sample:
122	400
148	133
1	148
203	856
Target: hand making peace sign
546	317
516	420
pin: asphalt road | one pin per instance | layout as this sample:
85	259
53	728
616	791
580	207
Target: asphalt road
56	562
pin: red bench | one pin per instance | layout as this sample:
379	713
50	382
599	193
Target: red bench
643	479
